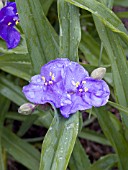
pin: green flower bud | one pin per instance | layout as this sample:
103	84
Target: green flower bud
98	73
26	108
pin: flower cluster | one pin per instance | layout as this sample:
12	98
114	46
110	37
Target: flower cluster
67	86
8	20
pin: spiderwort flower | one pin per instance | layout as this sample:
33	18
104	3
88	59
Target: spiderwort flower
48	85
67	86
8	20
82	91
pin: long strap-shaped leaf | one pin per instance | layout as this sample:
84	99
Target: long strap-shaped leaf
79	160
70	33
4	105
60	139
11	91
39	35
22	151
17	64
104	163
113	131
103	13
118	62
58	143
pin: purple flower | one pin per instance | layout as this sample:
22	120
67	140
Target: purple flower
81	91
8	19
67	86
48	85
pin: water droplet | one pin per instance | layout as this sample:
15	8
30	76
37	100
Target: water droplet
60	157
50	128
69	126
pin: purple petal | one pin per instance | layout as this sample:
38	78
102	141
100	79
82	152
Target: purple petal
39	93
8	13
55	67
98	92
71	106
74	73
10	35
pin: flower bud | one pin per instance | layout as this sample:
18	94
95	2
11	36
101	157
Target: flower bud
26	108
98	73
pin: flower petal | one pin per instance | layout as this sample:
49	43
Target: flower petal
39	93
10	35
98	92
74	74
76	103
55	67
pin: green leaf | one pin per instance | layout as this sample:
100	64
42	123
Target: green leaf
23	152
70	33
93	136
103	13
104	163
41	41
79	160
20	49
117	58
59	142
119	107
122	14
16	64
91	50
4	105
30	119
121	3
11	91
46	5
113	131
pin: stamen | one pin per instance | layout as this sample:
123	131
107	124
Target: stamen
50	82
85	89
43	78
9	23
80	90
77	83
17	22
83	82
17	13
53	77
50	74
46	84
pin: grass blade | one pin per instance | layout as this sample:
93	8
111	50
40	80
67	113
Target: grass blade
23	152
105	163
70	34
79	160
58	143
103	13
38	32
4	105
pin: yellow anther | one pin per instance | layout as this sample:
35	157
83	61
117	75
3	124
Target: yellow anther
77	83
85	89
83	82
50	73
80	90
17	22
53	77
9	23
43	78
50	82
